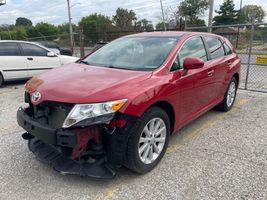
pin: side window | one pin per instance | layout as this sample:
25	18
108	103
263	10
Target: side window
33	50
227	49
215	47
9	49
193	47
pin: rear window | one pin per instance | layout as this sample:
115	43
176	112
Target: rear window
227	49
9	49
215	47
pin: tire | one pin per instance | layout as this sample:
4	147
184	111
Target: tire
1	80
134	161
227	104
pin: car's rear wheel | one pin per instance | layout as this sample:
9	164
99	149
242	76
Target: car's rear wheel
229	97
148	141
1	80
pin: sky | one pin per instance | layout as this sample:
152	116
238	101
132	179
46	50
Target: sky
55	11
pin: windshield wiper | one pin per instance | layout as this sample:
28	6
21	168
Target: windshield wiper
84	62
114	67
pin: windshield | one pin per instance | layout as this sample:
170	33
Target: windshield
134	53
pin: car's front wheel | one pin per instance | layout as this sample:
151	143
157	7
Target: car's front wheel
148	141
229	97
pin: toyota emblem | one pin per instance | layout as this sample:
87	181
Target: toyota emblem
36	96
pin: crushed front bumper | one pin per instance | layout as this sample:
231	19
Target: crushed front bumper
46	134
63	164
46	143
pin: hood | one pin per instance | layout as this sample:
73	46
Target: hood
67	59
79	83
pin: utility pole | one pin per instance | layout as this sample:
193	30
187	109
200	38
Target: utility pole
163	16
70	27
210	16
238	29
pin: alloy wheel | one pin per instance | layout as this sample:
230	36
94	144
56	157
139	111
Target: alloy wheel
231	94
152	140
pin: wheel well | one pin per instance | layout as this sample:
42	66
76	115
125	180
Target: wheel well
168	109
236	76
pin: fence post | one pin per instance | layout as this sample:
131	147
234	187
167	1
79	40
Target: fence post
250	49
81	42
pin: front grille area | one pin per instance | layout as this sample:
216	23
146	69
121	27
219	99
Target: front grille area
52	114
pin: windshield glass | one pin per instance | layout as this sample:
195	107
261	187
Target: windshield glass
134	53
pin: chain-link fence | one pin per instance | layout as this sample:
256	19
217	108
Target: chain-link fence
250	41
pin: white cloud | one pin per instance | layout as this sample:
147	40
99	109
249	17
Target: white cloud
56	11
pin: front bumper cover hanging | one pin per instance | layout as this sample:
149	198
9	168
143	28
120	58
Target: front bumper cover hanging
63	164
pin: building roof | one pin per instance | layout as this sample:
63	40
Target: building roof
228	30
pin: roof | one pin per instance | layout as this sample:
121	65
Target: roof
228	30
169	34
17	41
160	33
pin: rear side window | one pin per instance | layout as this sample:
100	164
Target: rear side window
9	49
215	47
227	49
194	47
33	50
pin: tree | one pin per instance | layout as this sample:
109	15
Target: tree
160	26
46	29
197	22
64	28
144	25
247	10
96	27
192	9
123	19
226	14
21	21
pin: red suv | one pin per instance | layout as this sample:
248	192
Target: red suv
119	105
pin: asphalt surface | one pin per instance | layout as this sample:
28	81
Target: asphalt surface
217	156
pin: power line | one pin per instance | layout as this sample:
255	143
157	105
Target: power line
135	8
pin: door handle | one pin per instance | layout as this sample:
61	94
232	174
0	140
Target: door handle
30	58
210	72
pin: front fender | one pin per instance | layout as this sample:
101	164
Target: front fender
145	99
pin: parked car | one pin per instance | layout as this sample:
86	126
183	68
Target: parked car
19	60
120	105
56	48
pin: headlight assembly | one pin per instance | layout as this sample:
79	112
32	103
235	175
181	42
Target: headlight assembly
89	114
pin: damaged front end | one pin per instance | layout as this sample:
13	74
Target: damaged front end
89	147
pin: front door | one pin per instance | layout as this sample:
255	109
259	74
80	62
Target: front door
193	86
37	59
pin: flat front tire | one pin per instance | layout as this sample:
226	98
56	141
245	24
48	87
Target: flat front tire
148	141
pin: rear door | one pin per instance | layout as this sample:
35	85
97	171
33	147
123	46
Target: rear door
12	64
218	65
37	59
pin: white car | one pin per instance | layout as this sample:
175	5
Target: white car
19	60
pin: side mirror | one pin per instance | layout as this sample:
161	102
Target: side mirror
51	54
193	63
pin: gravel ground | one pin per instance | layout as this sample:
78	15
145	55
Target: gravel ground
217	156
